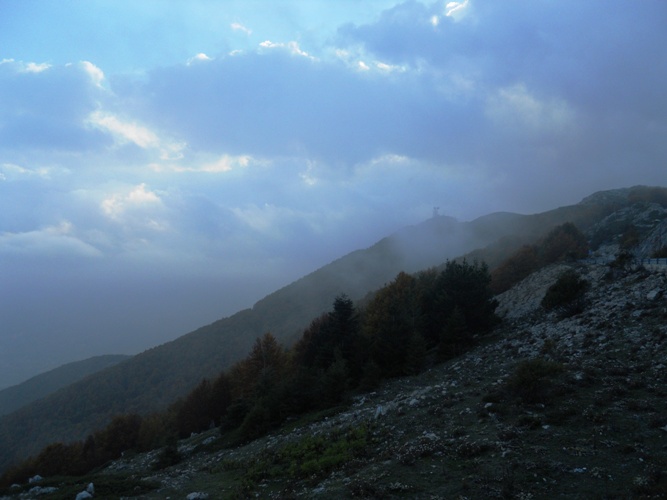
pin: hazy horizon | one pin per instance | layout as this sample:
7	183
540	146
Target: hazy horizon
166	164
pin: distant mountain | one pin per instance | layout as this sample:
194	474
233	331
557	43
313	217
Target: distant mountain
153	379
13	398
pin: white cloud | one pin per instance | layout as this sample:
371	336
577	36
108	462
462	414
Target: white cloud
201	57
137	208
29	67
273	221
11	171
125	131
50	240
242	28
389	67
95	73
358	60
32	67
515	106
128	131
292	47
224	163
308	175
456	10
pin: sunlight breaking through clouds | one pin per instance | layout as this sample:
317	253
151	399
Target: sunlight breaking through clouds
137	202
125	131
292	47
129	131
456	10
293	134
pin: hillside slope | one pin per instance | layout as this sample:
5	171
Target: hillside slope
13	398
153	379
547	407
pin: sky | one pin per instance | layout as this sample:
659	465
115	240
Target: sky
164	163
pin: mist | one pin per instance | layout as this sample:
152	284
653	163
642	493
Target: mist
163	166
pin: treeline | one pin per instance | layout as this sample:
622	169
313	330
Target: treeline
414	321
563	243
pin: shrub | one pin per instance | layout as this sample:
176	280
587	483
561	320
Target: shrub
532	380
567	293
563	243
517	267
661	253
630	238
169	455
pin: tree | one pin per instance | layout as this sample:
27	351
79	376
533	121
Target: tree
266	353
333	382
120	435
221	397
336	331
466	286
194	413
415	359
390	319
455	337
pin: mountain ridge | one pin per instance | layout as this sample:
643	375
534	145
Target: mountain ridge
153	379
550	404
14	397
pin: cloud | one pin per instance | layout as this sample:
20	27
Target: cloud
95	73
201	57
49	241
44	107
138	207
291	47
260	166
456	9
125	131
222	164
516	108
32	67
241	28
13	172
132	132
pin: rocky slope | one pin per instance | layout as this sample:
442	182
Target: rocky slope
546	407
152	380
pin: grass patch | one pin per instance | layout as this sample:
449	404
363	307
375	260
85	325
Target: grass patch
310	458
